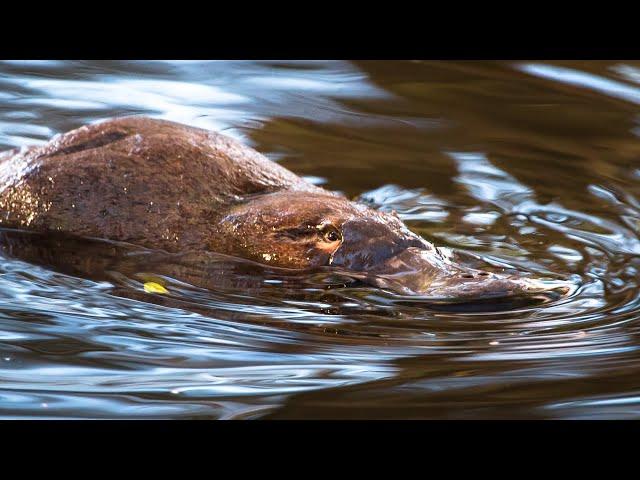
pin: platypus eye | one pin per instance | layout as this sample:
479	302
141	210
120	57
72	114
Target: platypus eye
331	234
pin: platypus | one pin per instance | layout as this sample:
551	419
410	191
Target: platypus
164	185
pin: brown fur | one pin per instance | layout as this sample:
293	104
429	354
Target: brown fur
149	182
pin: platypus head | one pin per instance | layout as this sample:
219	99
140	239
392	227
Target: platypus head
302	230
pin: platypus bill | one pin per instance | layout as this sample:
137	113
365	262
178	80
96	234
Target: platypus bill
167	186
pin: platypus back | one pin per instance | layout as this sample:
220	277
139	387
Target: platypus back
150	182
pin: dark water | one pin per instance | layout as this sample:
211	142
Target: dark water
529	165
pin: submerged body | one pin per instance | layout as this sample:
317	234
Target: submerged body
163	185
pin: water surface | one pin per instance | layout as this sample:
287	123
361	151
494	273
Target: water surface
526	165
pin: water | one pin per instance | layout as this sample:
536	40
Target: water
527	165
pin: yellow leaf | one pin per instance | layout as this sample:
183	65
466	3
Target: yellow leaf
153	287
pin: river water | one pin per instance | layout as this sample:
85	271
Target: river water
531	165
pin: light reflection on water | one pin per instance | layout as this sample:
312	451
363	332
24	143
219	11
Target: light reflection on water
522	165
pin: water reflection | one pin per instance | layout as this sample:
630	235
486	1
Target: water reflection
586	80
531	166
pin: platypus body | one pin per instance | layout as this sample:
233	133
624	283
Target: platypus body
172	187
